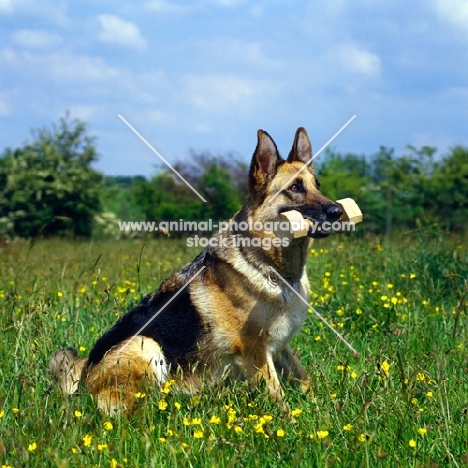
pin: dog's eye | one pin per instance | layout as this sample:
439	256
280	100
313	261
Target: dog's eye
296	188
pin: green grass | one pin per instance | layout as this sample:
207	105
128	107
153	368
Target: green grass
399	302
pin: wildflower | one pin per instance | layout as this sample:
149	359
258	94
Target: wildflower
78	414
75	450
162	405
361	437
414	401
385	366
196	421
167	386
322	434
101	447
267	418
311	436
358	311
215	420
258	428
186	421
296	412
59	293
114	463
87	440
140	395
280	433
429	394
348	427
420	376
177	405
412	275
412	443
198	434
108	426
238	429
389	285
318	338
162	439
354	375
422	431
2	413
15	410
333	396
32	447
384	298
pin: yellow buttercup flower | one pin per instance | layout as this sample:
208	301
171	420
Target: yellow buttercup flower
280	433
322	434
422	431
215	420
108	426
348	427
296	412
362	437
412	443
198	434
32	447
87	440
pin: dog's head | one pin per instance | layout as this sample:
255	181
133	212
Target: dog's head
277	185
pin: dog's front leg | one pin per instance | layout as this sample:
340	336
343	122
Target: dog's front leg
289	367
263	368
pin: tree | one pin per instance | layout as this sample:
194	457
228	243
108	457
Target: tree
48	186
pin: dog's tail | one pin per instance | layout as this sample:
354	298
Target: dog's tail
66	367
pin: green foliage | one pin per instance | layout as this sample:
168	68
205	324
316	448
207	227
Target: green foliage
221	181
48	186
407	191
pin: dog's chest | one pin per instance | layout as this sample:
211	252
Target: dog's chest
283	316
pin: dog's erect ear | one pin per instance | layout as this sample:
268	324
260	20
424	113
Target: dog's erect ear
266	154
264	161
302	149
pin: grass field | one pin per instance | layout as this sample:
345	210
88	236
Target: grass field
403	402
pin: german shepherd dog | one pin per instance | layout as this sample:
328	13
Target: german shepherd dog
225	314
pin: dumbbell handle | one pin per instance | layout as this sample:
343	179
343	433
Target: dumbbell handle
299	226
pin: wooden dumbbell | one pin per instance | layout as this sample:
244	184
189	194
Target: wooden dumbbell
293	226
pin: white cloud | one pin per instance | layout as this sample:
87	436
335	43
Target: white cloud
454	11
36	38
60	66
216	93
83	111
229	3
6	6
161	6
118	31
355	59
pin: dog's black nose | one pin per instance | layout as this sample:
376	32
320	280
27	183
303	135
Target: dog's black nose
334	212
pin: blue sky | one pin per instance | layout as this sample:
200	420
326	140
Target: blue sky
206	74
